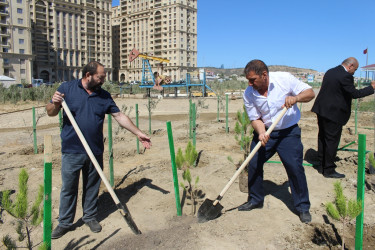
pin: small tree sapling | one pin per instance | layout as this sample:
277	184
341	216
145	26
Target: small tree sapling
243	131
185	162
19	210
342	209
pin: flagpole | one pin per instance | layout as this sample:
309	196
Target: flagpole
366	63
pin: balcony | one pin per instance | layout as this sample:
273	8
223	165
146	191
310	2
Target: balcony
4	3
4	13
40	11
4	34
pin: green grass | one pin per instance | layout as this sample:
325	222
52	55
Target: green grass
368	106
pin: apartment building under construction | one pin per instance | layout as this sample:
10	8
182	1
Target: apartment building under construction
67	34
158	28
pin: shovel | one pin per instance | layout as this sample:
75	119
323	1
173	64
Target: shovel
209	209
121	208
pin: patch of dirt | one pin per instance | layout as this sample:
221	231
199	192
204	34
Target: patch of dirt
144	182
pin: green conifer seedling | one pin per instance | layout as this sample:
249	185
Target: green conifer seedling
19	210
243	131
186	162
342	209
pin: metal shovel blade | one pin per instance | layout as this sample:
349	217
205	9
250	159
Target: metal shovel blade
123	209
208	211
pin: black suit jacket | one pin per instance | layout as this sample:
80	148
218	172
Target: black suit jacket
335	96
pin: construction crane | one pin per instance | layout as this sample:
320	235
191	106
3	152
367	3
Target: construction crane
146	67
135	53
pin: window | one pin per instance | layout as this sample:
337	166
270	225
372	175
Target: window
22	61
22	51
20	21
19	1
23	71
21	41
19	10
20	31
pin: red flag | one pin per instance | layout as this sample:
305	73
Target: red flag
365	51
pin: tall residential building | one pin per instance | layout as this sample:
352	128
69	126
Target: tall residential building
67	34
116	20
15	50
159	28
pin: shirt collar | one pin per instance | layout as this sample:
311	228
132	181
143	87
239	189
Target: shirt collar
344	68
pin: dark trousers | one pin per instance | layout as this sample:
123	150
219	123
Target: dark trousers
328	141
287	143
71	166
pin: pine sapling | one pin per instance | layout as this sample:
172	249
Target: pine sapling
19	210
185	162
342	209
243	131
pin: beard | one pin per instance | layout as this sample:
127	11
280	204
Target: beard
92	86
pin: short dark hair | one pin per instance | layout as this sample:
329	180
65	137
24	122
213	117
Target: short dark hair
91	68
257	66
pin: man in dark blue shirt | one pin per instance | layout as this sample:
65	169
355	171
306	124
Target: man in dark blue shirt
89	104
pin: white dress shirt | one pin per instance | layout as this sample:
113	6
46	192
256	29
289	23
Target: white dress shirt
281	85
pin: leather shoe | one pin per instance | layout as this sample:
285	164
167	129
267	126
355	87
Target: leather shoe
305	216
59	232
94	226
334	174
249	206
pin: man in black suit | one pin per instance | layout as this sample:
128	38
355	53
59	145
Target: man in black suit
333	107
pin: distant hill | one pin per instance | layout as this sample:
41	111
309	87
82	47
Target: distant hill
239	71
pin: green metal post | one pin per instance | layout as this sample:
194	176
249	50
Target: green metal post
360	189
60	119
47	214
226	114
137	124
149	115
110	149
174	169
190	120
355	116
218	108
194	123
34	132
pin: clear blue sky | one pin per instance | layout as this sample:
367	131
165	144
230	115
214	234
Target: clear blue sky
317	34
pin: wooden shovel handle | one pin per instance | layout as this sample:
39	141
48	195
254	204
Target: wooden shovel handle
89	152
251	155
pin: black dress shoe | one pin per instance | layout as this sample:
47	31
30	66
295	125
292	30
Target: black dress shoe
305	217
59	232
249	206
334	174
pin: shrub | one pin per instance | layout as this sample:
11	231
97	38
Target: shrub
342	209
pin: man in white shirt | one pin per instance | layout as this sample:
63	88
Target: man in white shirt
266	96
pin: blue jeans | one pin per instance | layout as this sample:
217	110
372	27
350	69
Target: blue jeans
71	166
287	143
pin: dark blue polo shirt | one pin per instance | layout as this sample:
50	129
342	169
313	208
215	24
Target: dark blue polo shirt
89	112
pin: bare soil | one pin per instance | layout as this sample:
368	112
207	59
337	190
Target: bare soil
144	183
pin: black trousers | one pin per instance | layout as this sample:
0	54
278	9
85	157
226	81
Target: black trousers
328	141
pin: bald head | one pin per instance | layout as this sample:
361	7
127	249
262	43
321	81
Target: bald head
351	64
